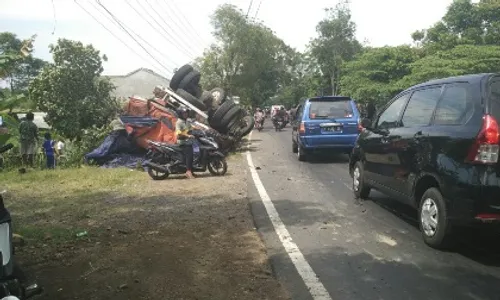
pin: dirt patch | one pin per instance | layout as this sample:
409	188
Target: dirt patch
172	239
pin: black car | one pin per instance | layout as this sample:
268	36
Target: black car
435	147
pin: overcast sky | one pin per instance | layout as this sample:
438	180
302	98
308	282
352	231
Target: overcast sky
185	29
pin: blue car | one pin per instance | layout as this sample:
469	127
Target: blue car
325	123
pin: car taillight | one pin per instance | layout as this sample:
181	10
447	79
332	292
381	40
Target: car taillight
302	128
485	149
360	127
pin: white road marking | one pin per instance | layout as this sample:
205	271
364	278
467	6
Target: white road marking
316	288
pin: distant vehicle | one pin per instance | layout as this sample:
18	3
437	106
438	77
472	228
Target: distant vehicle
325	123
435	147
278	107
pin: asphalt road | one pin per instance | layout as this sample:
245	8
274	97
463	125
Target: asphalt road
369	250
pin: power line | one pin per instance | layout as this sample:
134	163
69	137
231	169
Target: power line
55	20
185	21
119	23
111	32
138	36
249	7
182	49
258	8
179	36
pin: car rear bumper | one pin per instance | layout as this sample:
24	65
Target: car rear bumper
476	202
340	142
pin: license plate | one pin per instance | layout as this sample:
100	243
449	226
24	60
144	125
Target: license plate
332	129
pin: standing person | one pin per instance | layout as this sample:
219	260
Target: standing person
184	139
60	147
48	148
28	132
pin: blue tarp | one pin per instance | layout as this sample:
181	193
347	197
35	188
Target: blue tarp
117	150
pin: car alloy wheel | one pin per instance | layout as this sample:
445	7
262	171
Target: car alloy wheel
429	216
355	179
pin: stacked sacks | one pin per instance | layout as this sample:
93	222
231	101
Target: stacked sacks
224	115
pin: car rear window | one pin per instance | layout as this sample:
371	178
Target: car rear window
495	98
330	109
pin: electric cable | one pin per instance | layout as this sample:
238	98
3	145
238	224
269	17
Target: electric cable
119	23
182	49
55	19
185	22
258	8
111	32
161	53
179	36
249	7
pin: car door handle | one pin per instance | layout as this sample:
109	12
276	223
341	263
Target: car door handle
384	140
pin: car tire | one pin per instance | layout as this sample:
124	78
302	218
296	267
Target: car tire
191	99
231	115
295	147
216	118
248	126
301	153
435	226
219	95
179	75
207	99
359	187
190	81
194	90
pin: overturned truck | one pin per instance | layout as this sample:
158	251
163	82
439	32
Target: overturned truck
144	120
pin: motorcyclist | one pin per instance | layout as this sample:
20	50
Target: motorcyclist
282	113
185	139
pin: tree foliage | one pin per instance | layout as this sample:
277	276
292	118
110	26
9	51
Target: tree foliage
247	59
375	73
17	68
336	43
71	90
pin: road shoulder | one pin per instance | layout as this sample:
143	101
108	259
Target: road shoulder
172	239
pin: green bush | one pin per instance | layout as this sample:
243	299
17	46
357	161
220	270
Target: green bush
76	150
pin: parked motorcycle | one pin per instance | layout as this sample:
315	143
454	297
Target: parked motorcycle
164	159
13	283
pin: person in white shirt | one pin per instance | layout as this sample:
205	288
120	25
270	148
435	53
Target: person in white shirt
60	147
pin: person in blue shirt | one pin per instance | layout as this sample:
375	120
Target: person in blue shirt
48	148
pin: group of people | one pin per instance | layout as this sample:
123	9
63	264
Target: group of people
28	140
260	115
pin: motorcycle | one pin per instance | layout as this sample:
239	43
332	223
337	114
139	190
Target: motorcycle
164	159
259	123
278	123
13	283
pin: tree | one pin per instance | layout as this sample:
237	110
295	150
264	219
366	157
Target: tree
305	80
375	73
71	90
15	56
464	23
336	43
18	71
461	60
247	59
